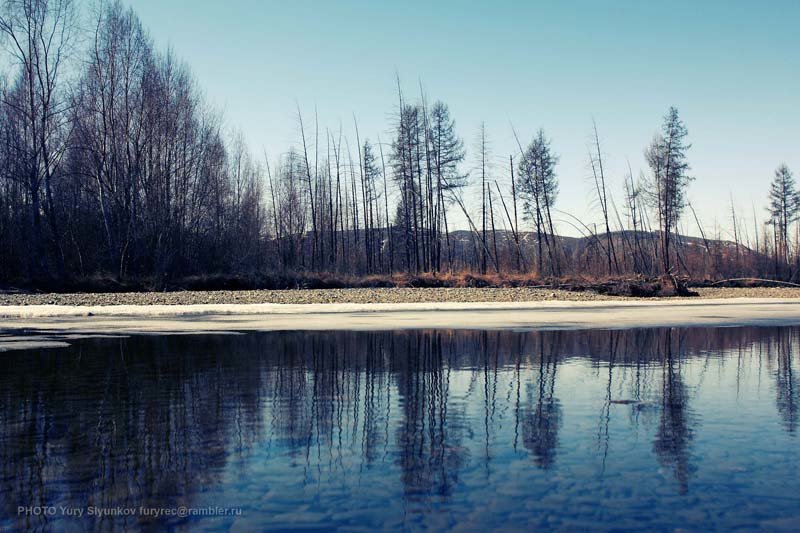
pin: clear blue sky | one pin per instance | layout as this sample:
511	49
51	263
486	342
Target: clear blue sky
731	67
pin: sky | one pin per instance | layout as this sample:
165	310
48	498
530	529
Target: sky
732	68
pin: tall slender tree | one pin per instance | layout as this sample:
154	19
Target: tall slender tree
599	178
447	152
538	188
669	179
784	209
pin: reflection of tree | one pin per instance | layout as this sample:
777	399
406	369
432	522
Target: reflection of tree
429	438
628	359
541	418
786	381
674	433
603	436
377	400
127	422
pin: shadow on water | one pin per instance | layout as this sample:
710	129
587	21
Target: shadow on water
384	428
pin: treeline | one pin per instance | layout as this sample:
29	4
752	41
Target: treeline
113	164
111	160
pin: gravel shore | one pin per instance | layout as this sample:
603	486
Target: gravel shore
383	295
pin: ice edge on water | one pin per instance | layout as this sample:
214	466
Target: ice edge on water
52	323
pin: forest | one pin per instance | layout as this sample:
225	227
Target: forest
115	167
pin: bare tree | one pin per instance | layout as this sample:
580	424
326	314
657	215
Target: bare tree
39	35
483	155
599	177
310	186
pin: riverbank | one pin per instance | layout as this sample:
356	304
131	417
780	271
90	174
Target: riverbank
53	320
360	296
52	325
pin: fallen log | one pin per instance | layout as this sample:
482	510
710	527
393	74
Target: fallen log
757	280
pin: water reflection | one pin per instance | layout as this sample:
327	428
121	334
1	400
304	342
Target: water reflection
387	428
674	433
782	348
541	415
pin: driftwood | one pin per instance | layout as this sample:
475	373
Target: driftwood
637	287
757	280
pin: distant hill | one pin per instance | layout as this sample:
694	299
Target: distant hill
528	241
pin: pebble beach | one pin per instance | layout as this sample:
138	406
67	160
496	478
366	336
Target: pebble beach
358	296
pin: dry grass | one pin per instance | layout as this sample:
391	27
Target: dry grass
630	286
303	280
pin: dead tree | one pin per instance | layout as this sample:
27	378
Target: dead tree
598	174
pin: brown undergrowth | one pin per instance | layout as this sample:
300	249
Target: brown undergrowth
622	286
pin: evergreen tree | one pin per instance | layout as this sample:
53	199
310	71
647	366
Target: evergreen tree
784	208
538	187
447	151
666	157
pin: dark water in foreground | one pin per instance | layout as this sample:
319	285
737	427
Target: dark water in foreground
665	429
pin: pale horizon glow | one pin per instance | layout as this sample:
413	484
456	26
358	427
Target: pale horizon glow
732	68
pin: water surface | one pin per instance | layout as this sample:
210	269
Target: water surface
658	428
